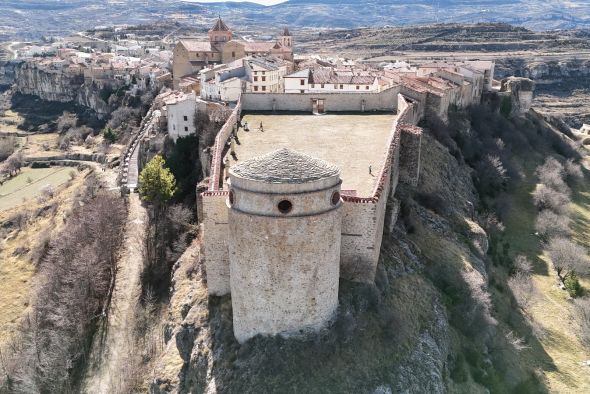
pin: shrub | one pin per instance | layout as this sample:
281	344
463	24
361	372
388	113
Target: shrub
523	289
549	225
432	201
109	135
572	285
545	197
523	264
552	174
7	147
573	171
66	121
506	106
568	257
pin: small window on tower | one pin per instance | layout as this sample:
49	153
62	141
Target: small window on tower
302	82
185	118
285	206
185	128
233	54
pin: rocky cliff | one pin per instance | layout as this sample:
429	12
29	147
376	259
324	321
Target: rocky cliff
545	71
53	85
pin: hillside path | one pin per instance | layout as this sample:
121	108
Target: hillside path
113	343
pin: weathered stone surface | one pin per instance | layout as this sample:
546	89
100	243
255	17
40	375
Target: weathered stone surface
284	264
285	166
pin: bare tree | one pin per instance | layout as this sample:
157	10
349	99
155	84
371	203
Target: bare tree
13	164
523	289
545	197
573	171
7	146
122	117
523	264
568	257
552	174
550	224
68	300
66	121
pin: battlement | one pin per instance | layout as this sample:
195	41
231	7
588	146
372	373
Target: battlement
369	177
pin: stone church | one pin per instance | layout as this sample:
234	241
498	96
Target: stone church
191	55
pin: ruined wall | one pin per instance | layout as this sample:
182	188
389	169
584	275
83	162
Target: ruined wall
520	92
215	242
334	102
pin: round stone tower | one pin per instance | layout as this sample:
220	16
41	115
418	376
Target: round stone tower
285	227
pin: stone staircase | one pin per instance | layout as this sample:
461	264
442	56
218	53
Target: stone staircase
130	168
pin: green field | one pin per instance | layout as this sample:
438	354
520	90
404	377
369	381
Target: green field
29	183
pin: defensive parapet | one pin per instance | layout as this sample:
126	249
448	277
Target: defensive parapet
363	216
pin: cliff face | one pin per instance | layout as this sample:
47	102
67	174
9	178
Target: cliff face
7	73
544	71
53	85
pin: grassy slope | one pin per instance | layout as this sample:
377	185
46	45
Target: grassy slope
16	269
29	184
561	352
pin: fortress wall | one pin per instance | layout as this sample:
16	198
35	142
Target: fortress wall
409	168
364	217
334	102
219	146
215	242
284	272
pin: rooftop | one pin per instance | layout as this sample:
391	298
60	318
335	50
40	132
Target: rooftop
352	142
285	166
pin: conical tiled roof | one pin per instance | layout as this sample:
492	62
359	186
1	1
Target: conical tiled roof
286	32
285	166
220	26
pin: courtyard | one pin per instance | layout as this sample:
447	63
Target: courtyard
352	142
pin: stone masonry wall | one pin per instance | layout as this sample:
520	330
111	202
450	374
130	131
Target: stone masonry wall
334	102
284	272
363	216
409	166
215	242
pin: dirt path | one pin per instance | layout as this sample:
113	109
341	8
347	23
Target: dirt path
113	344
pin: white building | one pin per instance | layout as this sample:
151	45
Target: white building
266	74
326	79
181	109
256	74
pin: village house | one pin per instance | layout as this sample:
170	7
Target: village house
257	74
327	79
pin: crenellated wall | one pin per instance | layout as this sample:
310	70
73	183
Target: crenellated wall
363	217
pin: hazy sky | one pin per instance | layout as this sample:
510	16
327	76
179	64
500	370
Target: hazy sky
265	2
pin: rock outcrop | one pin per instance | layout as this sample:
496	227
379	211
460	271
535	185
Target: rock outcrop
53	85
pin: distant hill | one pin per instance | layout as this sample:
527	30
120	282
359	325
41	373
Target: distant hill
26	19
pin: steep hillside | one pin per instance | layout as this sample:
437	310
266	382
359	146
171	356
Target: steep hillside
440	317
